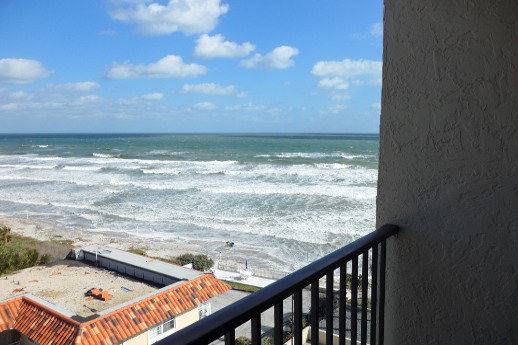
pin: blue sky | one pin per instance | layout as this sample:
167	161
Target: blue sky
190	66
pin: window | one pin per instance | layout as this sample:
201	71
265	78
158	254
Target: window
161	331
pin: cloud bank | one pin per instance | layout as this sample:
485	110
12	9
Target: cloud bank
216	46
347	68
279	58
22	71
187	16
209	89
171	66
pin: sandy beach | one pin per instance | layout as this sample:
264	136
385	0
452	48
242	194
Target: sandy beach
47	232
232	259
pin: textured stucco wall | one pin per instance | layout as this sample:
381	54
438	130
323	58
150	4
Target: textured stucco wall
187	318
449	171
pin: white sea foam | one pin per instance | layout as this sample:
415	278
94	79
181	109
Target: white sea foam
105	155
302	201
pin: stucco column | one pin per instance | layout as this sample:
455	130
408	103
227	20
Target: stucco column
448	171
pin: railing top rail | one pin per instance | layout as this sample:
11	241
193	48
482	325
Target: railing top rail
232	316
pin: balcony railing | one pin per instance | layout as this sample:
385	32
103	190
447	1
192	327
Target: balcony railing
358	268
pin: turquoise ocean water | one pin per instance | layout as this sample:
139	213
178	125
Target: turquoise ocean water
291	198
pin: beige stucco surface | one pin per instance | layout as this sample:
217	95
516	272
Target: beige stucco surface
448	171
141	339
187	318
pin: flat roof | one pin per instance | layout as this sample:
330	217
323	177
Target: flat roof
63	285
153	265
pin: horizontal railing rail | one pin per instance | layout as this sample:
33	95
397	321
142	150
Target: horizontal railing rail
366	290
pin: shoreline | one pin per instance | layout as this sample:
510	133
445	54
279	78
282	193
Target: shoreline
45	231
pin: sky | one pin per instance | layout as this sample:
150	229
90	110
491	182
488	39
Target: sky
195	66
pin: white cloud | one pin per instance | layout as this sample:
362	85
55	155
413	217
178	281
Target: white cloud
87	99
170	66
340	96
153	96
278	58
216	46
333	83
9	106
187	16
377	29
376	106
209	89
204	106
335	109
19	95
81	86
347	68
21	71
246	107
339	75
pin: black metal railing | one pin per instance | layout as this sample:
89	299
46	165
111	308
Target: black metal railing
360	318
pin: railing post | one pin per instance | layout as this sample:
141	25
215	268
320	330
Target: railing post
230	337
329	307
374	295
314	313
365	294
342	311
256	330
278	324
383	258
297	317
354	302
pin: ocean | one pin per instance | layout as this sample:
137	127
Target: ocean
283	200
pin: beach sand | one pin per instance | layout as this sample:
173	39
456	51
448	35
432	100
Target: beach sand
232	259
48	232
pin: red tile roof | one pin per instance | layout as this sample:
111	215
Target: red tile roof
8	313
43	325
48	327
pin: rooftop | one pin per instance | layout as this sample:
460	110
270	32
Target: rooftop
49	303
149	264
64	284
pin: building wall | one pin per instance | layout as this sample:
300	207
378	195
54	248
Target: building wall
129	270
187	318
448	171
141	339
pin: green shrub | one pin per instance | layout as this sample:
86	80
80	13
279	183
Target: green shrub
138	251
199	262
5	234
45	259
243	341
267	341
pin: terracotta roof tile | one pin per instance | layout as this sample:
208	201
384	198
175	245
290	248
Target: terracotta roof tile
8	313
48	327
146	313
44	325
